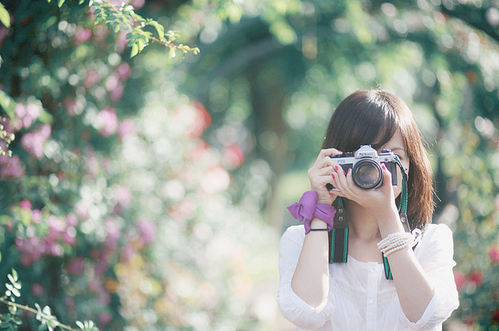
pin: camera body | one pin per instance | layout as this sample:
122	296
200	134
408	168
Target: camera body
366	166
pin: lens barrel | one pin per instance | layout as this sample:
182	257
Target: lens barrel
367	174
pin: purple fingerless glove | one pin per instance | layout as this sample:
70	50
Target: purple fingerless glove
308	208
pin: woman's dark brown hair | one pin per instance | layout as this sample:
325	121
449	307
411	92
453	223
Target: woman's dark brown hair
373	117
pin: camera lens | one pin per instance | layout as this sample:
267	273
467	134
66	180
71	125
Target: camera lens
367	174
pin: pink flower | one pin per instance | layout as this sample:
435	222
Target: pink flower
108	122
494	254
92	163
124	71
233	156
36	216
91	78
4	32
105	318
94	285
52	248
27	114
112	82
11	167
82	211
203	121
33	141
476	276
126	128
56	226
101	266
30	249
123	196
70	236
81	35
76	266
73	106
113	234
25	204
71	220
127	252
137	4
200	151
116	94
460	279
147	231
37	290
70	105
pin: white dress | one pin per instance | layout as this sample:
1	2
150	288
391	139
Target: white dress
360	297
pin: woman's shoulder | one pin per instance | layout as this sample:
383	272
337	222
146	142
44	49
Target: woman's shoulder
436	240
437	231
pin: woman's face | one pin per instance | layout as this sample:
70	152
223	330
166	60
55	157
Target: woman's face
397	146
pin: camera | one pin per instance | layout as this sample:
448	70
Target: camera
366	166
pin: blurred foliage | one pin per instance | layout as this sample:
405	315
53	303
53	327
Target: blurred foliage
137	188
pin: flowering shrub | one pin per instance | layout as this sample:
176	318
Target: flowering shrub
113	214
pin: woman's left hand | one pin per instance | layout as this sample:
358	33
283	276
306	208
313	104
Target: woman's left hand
380	201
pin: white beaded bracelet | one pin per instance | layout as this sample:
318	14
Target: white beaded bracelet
399	240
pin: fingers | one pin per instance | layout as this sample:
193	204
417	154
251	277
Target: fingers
387	178
324	157
343	182
321	173
330	152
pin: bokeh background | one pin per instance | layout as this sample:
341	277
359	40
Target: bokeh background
149	193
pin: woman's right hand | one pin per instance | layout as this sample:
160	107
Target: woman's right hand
321	174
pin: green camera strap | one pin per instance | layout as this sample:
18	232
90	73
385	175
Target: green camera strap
402	213
338	236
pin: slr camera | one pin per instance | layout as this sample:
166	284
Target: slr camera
366	166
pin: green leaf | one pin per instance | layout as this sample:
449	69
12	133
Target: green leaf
140	44
4	16
13	310
98	19
60	3
39	312
172	53
160	29
7	103
117	27
15	275
135	50
45	117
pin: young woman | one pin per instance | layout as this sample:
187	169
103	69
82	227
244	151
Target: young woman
315	294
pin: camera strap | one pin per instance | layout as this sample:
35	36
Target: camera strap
338	236
402	213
